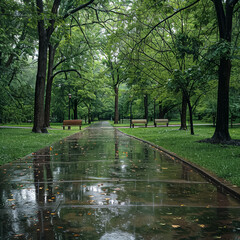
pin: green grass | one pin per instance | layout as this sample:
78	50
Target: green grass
151	123
17	142
30	125
223	160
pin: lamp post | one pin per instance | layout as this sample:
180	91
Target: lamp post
69	100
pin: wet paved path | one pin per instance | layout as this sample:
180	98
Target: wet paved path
101	184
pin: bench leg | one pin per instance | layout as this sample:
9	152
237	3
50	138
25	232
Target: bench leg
63	127
167	124
79	127
133	125
69	127
145	125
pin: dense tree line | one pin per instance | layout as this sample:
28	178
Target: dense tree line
169	58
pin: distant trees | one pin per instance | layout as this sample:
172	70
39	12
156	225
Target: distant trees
17	44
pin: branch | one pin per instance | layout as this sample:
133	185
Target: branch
164	20
65	71
109	11
52	21
78	8
232	2
82	32
66	59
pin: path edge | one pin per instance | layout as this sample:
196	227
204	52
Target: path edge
222	184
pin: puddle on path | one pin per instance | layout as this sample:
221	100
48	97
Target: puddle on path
101	184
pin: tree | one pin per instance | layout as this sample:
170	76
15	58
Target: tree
44	38
224	17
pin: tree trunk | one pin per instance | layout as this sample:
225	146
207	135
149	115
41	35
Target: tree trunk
161	111
190	116
184	114
221	133
75	109
146	107
89	115
38	126
116	113
52	51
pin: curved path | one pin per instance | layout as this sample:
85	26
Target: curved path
101	184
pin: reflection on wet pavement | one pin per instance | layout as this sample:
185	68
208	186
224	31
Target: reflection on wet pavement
101	184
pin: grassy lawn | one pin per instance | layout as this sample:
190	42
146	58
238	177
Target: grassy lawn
17	142
126	123
223	160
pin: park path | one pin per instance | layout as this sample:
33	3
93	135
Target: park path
102	184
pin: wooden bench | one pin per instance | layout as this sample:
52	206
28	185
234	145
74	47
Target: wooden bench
70	123
156	121
136	121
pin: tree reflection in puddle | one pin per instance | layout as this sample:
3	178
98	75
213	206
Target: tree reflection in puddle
118	235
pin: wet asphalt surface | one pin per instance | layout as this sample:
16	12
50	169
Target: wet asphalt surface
102	184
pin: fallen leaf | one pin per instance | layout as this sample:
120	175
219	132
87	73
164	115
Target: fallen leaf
18	235
176	226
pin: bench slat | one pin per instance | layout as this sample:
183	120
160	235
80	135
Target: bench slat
134	121
160	121
139	121
70	123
